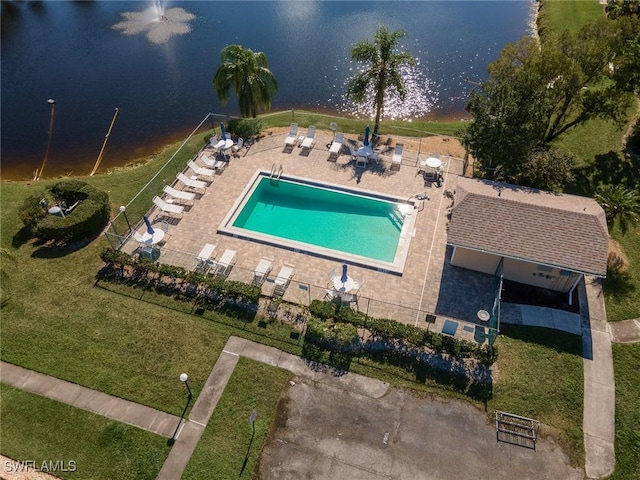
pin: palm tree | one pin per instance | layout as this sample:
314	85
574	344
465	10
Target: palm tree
619	203
249	75
383	69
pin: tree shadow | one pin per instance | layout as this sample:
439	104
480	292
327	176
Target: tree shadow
611	168
51	249
618	283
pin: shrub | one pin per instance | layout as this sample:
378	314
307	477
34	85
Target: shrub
88	217
322	310
245	128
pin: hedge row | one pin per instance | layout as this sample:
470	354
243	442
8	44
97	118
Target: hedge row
396	332
205	290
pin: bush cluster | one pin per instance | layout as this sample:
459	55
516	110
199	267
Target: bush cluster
395	332
245	128
205	290
87	218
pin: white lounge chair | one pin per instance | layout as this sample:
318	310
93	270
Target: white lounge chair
310	139
168	208
396	159
200	171
336	146
262	270
179	195
225	263
292	137
196	185
283	279
204	260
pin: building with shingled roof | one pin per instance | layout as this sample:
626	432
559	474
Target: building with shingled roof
545	239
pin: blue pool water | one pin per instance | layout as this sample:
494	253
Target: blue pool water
359	225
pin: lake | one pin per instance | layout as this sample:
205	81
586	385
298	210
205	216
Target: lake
162	83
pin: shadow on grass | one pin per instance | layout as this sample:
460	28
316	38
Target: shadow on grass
561	342
611	168
618	284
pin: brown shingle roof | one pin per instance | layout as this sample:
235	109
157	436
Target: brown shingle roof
561	230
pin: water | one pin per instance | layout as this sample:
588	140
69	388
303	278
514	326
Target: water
347	223
160	78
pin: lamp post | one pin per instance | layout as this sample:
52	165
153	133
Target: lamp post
183	378
38	174
123	210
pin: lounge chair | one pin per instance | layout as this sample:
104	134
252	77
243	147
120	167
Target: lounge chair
225	264
292	137
262	270
195	185
396	159
283	279
200	171
310	140
204	260
179	196
336	146
208	160
168	208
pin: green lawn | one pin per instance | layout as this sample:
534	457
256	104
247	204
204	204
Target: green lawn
540	375
228	448
36	429
626	360
558	15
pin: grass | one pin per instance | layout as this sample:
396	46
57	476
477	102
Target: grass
42	430
559	15
227	446
626	359
540	376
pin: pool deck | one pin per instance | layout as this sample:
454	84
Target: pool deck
421	289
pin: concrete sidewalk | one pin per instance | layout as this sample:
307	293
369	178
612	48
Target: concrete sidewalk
625	331
598	423
85	398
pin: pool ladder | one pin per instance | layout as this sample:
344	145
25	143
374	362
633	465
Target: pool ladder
275	174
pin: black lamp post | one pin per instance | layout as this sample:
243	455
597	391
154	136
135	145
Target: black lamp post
123	209
183	378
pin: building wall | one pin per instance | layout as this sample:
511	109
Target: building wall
516	270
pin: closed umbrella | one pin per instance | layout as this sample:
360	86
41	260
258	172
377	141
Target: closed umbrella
149	227
366	136
344	277
223	134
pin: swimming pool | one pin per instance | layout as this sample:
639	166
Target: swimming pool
329	220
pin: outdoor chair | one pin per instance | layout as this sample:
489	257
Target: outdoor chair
292	137
179	196
200	171
336	146
310	140
262	270
168	208
237	147
396	159
283	279
196	185
361	161
204	260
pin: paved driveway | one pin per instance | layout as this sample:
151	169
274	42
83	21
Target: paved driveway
324	432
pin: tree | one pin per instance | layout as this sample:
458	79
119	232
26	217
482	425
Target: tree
382	70
619	203
535	94
249	75
620	8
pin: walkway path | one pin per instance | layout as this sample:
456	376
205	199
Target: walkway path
599	385
85	398
625	331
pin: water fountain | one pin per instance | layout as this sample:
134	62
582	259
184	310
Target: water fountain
157	22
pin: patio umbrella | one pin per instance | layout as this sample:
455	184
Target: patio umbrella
223	134
344	277
148	223
366	136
